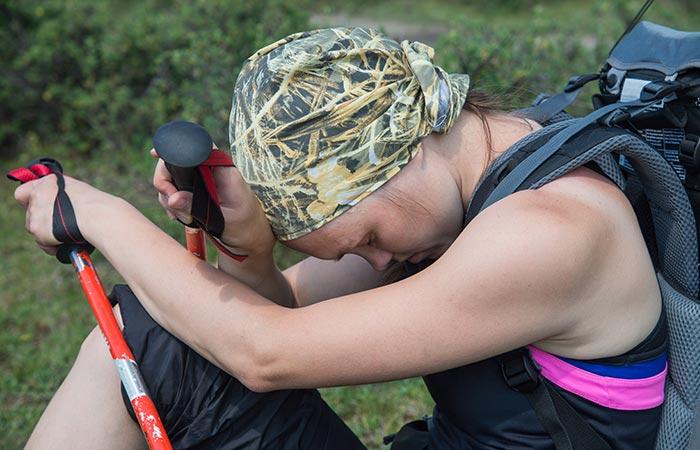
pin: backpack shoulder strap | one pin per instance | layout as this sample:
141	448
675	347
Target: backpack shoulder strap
567	153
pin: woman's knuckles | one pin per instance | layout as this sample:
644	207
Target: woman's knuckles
180	201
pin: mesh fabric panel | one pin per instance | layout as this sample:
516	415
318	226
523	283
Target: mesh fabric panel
684	360
611	168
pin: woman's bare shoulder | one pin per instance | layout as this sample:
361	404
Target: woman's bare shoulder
586	229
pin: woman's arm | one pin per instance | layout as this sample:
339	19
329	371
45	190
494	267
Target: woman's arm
310	281
495	289
262	275
498	287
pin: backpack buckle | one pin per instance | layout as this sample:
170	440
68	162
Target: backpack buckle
577	82
689	152
657	90
520	372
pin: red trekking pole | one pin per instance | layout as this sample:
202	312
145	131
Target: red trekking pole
129	373
77	250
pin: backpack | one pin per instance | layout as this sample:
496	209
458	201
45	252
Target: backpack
644	134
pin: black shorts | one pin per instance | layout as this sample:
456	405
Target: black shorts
203	407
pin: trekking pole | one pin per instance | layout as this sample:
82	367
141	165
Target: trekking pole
194	239
188	153
77	251
183	146
144	408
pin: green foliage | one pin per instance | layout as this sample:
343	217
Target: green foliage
85	77
516	63
517	59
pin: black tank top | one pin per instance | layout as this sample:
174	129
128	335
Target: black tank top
476	409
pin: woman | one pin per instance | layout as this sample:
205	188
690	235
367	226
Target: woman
361	153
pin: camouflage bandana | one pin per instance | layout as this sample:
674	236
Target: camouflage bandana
321	119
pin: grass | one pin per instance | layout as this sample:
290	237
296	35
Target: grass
43	314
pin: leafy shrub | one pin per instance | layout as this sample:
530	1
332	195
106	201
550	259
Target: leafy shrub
516	60
83	76
516	63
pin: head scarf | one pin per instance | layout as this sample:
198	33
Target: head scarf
323	118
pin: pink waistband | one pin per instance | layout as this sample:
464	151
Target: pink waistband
614	393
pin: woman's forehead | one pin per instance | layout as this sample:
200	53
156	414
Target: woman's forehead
343	231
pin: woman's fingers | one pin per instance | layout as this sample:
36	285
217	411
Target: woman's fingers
181	201
180	205
163	200
23	193
162	180
37	198
177	204
154	153
48	249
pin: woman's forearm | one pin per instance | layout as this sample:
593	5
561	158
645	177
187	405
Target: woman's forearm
262	275
215	314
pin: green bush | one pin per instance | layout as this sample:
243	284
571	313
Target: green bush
516	60
516	63
85	76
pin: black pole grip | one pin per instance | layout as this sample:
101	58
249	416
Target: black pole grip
183	177
183	146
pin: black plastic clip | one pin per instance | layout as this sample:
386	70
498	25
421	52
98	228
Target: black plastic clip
578	81
657	90
520	372
615	117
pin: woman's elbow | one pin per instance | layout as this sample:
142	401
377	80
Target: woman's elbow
258	384
257	379
261	369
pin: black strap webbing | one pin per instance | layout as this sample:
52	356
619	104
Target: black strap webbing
567	428
568	151
552	408
550	107
547	107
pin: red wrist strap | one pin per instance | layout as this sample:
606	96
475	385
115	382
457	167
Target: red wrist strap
217	158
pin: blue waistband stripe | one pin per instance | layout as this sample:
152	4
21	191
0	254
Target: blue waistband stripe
641	369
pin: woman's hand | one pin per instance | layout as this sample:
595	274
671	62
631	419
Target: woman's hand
246	229
38	196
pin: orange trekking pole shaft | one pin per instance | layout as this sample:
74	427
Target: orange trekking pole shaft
194	239
144	408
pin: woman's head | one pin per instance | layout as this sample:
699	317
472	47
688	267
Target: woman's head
414	216
322	119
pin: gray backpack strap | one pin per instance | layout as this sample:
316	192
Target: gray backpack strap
516	177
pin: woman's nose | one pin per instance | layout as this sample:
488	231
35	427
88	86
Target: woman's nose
378	259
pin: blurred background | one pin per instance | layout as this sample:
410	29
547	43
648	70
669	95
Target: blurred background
88	82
